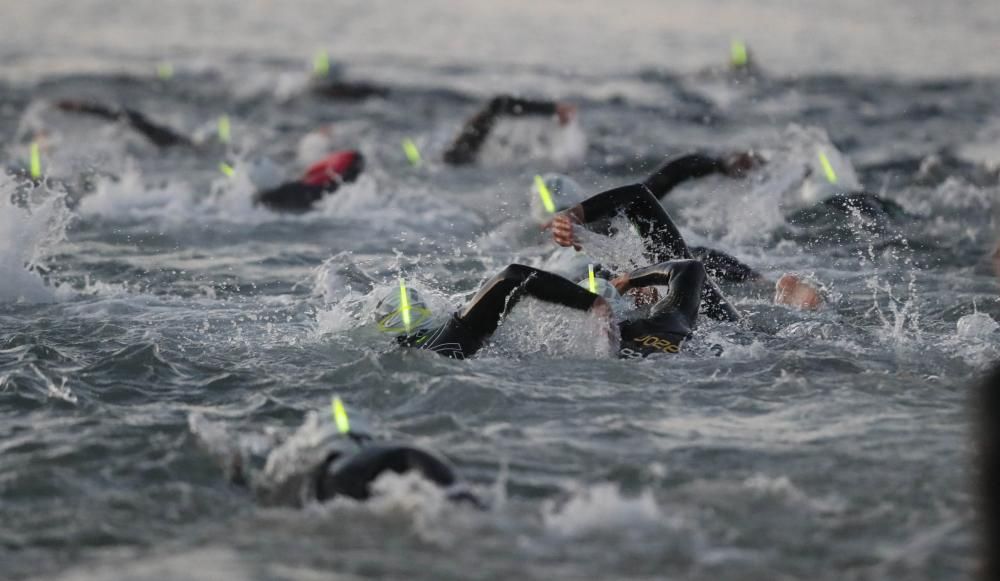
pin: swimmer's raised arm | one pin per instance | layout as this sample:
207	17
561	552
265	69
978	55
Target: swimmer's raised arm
473	134
160	135
698	165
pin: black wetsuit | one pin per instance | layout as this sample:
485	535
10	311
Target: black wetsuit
873	209
352	474
159	135
719	265
300	196
667	324
348	90
465	149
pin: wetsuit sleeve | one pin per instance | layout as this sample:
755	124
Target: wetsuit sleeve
475	131
469	329
722	266
349	90
685	280
502	292
662	239
87	108
674	172
160	135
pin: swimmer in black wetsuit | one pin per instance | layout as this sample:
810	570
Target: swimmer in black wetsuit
331	464
159	135
465	148
320	179
863	204
669	321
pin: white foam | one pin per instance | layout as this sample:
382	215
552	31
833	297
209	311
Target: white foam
128	197
602	508
977	326
519	140
27	237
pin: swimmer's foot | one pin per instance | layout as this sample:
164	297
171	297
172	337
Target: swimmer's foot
794	292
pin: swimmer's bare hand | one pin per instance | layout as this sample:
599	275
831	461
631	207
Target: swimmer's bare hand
793	291
566	112
739	164
623	283
562	226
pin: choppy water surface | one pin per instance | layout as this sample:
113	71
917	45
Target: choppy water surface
164	321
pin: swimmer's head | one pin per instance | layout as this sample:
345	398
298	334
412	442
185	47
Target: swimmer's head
401	311
562	189
264	174
604	288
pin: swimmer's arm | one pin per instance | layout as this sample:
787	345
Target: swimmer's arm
160	135
689	287
662	239
89	108
502	292
475	131
676	171
698	165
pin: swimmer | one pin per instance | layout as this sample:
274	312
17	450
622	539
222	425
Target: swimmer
663	241
335	463
319	180
564	193
464	150
159	135
875	210
669	321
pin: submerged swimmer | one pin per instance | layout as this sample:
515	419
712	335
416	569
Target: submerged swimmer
337	460
465	148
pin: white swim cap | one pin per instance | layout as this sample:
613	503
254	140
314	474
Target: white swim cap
604	288
562	189
264	174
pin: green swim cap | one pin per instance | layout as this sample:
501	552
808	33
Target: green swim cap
402	310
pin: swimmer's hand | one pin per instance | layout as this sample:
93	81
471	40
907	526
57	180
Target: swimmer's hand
739	164
562	226
566	112
793	291
642	296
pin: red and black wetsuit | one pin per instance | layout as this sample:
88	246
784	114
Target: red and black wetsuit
320	179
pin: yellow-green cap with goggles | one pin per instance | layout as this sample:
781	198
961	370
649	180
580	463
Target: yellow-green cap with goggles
402	311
